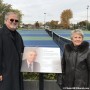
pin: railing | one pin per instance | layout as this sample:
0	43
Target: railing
60	41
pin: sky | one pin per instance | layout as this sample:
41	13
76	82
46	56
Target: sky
47	10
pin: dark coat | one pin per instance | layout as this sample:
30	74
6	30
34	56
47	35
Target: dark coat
36	66
10	59
76	65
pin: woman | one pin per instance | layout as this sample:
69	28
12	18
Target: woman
76	63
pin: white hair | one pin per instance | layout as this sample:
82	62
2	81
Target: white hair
10	13
78	31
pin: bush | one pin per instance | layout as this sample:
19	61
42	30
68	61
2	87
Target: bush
35	76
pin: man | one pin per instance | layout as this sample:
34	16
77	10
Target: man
11	48
29	64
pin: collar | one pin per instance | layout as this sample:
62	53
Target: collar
8	31
83	47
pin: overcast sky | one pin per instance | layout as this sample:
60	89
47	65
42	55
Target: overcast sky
34	10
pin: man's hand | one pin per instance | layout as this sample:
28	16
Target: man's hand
1	78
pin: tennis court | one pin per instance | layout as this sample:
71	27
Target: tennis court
37	38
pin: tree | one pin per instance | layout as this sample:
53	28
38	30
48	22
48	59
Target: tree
82	23
53	24
37	24
65	17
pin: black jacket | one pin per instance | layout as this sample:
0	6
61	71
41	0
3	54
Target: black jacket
10	59
76	65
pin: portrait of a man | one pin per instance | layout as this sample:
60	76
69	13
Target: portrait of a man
29	64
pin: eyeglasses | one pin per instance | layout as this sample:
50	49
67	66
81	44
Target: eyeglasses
12	20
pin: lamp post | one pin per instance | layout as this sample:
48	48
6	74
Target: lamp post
87	17
44	19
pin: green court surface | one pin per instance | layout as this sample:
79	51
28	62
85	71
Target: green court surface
36	38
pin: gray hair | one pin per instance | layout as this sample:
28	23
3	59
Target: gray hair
9	13
79	31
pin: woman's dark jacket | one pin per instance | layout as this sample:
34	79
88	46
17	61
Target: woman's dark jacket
11	47
76	65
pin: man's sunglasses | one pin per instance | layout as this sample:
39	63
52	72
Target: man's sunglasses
12	20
